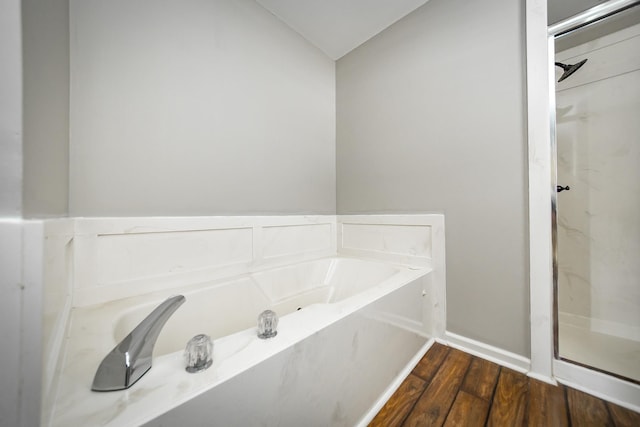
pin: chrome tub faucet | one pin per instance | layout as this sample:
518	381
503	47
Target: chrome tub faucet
131	359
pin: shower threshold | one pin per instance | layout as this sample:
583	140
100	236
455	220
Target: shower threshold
607	353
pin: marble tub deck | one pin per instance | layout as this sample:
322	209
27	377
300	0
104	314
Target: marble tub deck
167	385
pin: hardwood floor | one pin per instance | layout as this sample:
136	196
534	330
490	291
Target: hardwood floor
452	388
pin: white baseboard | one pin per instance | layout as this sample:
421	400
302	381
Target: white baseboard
395	384
606	387
603	386
485	351
543	378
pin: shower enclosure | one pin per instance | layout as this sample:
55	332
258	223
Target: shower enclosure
597	199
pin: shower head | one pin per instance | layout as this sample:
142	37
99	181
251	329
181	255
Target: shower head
569	69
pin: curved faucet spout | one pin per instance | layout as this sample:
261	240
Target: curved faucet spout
131	359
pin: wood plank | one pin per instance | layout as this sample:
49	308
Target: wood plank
467	411
481	379
623	417
547	405
586	410
510	400
434	404
398	406
431	361
458	398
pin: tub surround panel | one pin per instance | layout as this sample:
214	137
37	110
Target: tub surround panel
408	312
416	240
31	285
120	257
283	241
136	256
407	239
388	291
57	296
388	238
167	385
327	380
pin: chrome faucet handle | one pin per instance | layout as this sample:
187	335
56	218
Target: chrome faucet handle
131	358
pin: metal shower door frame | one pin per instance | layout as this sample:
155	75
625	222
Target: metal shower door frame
556	31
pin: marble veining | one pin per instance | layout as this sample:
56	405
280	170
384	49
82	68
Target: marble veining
598	151
379	293
167	385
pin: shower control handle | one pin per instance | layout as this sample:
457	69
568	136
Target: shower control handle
560	188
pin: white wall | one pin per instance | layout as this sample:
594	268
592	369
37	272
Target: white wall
197	108
10	206
46	107
430	117
10	110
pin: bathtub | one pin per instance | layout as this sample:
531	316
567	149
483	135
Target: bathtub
348	328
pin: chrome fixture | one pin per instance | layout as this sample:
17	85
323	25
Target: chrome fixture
267	324
131	359
590	17
569	69
198	355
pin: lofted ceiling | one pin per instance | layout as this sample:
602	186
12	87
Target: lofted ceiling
338	26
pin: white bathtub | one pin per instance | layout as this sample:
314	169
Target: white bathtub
348	327
223	309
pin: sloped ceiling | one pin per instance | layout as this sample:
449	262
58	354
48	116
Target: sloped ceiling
339	26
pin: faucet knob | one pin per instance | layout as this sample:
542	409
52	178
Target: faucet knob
198	355
267	324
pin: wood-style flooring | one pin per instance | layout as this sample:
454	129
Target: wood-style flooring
451	388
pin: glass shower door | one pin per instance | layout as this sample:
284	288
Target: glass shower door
598	206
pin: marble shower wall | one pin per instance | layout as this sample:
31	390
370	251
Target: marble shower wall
598	137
